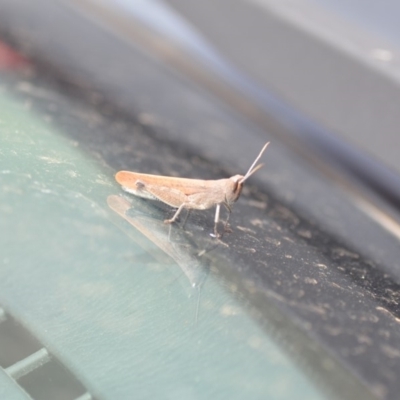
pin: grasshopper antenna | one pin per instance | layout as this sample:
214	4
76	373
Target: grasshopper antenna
253	169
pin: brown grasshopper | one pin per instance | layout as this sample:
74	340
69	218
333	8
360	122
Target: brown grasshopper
192	194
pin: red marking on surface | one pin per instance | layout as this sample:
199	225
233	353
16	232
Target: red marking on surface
10	59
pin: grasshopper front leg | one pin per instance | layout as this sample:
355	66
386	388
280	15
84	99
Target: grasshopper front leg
216	220
226	225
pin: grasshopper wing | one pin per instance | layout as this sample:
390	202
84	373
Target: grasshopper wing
154	187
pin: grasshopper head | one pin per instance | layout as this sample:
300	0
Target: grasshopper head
237	181
236	188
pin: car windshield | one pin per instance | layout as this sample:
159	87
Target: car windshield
101	299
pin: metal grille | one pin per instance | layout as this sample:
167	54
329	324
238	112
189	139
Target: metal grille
33	368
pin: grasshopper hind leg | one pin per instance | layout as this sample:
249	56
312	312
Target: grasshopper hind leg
178	211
